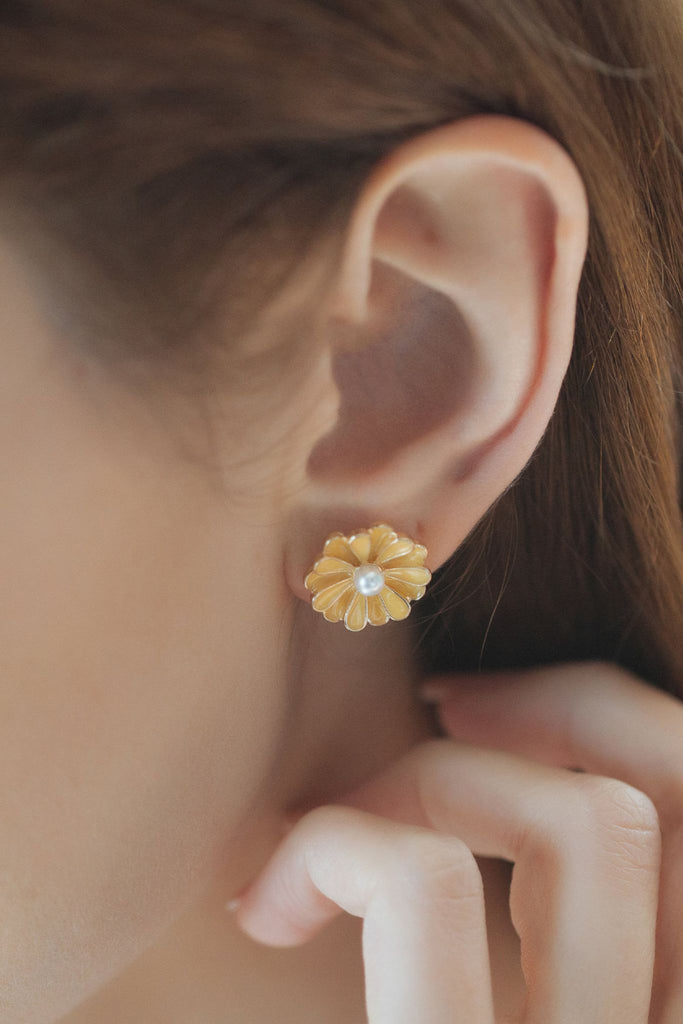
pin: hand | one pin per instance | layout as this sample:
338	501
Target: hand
598	719
587	850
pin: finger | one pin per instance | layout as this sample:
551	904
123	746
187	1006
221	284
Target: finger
594	716
583	898
601	719
421	896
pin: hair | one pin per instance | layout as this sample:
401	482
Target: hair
171	166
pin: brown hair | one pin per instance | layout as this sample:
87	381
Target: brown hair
170	165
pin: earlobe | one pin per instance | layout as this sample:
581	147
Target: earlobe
457	297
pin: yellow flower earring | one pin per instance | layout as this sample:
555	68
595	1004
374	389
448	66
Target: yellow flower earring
368	577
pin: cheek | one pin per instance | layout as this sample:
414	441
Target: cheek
141	701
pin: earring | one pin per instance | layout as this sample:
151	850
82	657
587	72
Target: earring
369	577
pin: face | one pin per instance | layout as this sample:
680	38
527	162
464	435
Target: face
143	630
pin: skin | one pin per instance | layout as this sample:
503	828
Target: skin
167	693
595	893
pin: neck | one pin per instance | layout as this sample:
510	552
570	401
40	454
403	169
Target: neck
353	708
351	711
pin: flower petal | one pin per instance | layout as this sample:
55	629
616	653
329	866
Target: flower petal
394	549
337	611
409	574
357	613
327	565
312	580
327	596
337	546
411	591
360	544
315	582
414	557
377	613
397	607
381	535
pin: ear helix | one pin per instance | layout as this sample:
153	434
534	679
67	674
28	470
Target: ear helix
368	577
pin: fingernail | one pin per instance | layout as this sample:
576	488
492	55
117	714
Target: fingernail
236	902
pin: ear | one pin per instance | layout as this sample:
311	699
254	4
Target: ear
450	330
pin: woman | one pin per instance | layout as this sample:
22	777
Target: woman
282	279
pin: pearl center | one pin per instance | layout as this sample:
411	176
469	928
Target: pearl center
368	579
